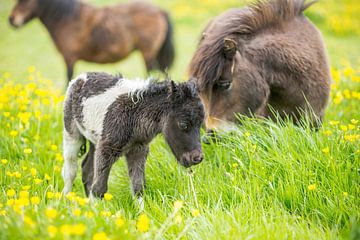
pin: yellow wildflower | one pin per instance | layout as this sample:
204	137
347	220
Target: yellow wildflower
100	236
353	121
178	204
52	230
195	212
3	213
13	133
119	221
312	187
78	229
76	212
50	195
6	114
26	187
57	195
29	221
343	128
37	181
235	165
351	126
105	213
57	169
327	133
47	177
66	229
247	134
10	193
53	147
24	194
334	123
35	200
27	150
89	214
143	223
51	213
325	150
59	157
33	172
10	202
17	174
345	194
4	161
108	196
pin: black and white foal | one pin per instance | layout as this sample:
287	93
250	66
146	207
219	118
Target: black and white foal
121	117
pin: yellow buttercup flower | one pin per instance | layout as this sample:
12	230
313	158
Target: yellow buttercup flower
47	177
312	187
51	213
33	172
327	133
325	150
50	195
4	161
105	213
10	193
53	147
143	223
27	150
14	133
195	213
89	214
353	121
351	127
37	181
119	221
100	236
23	194
343	128
35	200
76	212
108	196
78	229
334	123
345	194
26	187
52	230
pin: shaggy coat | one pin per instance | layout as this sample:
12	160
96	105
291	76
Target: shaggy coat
102	35
266	60
120	117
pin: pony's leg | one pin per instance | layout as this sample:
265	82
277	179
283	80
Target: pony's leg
69	68
136	159
71	145
88	169
105	157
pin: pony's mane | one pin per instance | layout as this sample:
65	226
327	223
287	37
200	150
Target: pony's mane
55	10
208	61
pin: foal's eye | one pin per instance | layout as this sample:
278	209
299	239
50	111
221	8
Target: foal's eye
222	86
183	126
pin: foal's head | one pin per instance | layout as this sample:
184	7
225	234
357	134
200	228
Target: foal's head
182	125
53	10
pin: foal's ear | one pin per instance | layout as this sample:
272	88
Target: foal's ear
192	82
172	87
230	48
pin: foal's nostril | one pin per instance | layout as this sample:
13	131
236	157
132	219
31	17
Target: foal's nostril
198	159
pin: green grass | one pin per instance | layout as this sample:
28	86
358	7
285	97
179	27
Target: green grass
267	181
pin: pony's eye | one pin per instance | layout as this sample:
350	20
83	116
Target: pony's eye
222	86
183	126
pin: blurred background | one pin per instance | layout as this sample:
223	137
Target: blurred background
31	45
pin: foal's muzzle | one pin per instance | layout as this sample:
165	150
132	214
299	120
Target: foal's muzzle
189	159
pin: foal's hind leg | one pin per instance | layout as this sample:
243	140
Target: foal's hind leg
71	144
88	169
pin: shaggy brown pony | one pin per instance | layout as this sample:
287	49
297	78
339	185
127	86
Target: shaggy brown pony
102	35
265	60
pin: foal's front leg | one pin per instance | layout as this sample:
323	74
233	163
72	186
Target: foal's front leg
105	157
136	159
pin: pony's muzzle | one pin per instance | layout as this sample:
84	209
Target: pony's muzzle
14	22
191	158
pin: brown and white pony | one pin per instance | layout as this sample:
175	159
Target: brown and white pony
265	60
103	35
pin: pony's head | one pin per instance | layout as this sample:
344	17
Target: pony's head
47	10
23	12
182	124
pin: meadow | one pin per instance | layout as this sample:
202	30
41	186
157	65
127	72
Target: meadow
267	181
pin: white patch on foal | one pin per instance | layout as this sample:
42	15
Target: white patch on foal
96	107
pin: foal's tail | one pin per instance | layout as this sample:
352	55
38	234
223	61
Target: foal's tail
166	55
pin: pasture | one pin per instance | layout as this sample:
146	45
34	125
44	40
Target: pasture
268	181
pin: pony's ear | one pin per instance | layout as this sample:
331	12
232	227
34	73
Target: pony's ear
230	48
172	89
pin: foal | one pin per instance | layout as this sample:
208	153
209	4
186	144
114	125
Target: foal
121	117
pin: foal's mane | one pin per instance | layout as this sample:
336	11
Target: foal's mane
55	10
208	61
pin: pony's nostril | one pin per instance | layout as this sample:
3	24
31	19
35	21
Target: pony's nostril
198	159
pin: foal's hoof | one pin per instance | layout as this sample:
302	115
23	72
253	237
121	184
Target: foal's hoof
140	204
